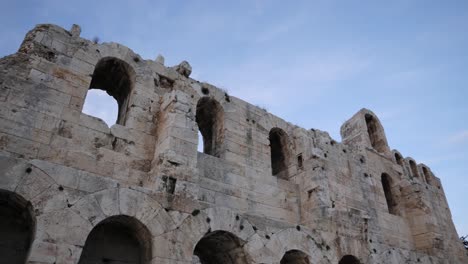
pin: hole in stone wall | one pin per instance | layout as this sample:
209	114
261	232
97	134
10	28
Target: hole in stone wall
116	78
166	82
210	118
300	161
117	239
17	227
205	91
295	257
387	187
375	133
279	153
195	212
171	184
349	259
219	247
414	169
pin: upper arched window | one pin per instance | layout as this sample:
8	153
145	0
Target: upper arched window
414	169
427	175
387	187
210	120
398	158
279	152
375	132
116	78
17	226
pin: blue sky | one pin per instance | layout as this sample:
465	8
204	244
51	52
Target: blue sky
313	63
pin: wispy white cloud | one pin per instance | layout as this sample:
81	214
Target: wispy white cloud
460	137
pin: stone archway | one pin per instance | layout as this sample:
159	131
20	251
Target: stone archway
17	228
349	259
117	239
295	257
219	247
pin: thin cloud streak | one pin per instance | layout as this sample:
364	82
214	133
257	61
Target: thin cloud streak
460	137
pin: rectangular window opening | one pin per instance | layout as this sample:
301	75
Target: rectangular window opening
300	161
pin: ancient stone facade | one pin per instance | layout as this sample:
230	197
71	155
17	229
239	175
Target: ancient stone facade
73	190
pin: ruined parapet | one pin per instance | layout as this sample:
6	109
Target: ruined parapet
263	190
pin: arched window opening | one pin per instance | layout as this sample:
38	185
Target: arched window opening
414	169
349	259
279	153
219	247
427	175
17	228
116	78
200	142
387	187
375	133
210	118
295	257
99	104
117	239
399	159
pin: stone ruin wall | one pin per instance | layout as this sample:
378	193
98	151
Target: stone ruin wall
73	190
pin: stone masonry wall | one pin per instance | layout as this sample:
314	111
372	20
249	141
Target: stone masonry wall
140	192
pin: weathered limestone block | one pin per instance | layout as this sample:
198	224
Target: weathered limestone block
160	59
184	68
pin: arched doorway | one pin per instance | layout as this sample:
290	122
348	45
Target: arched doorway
117	239
295	257
17	228
219	247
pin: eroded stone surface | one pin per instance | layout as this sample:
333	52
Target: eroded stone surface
264	191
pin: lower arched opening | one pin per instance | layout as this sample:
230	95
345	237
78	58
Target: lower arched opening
17	227
219	247
349	259
117	239
295	257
